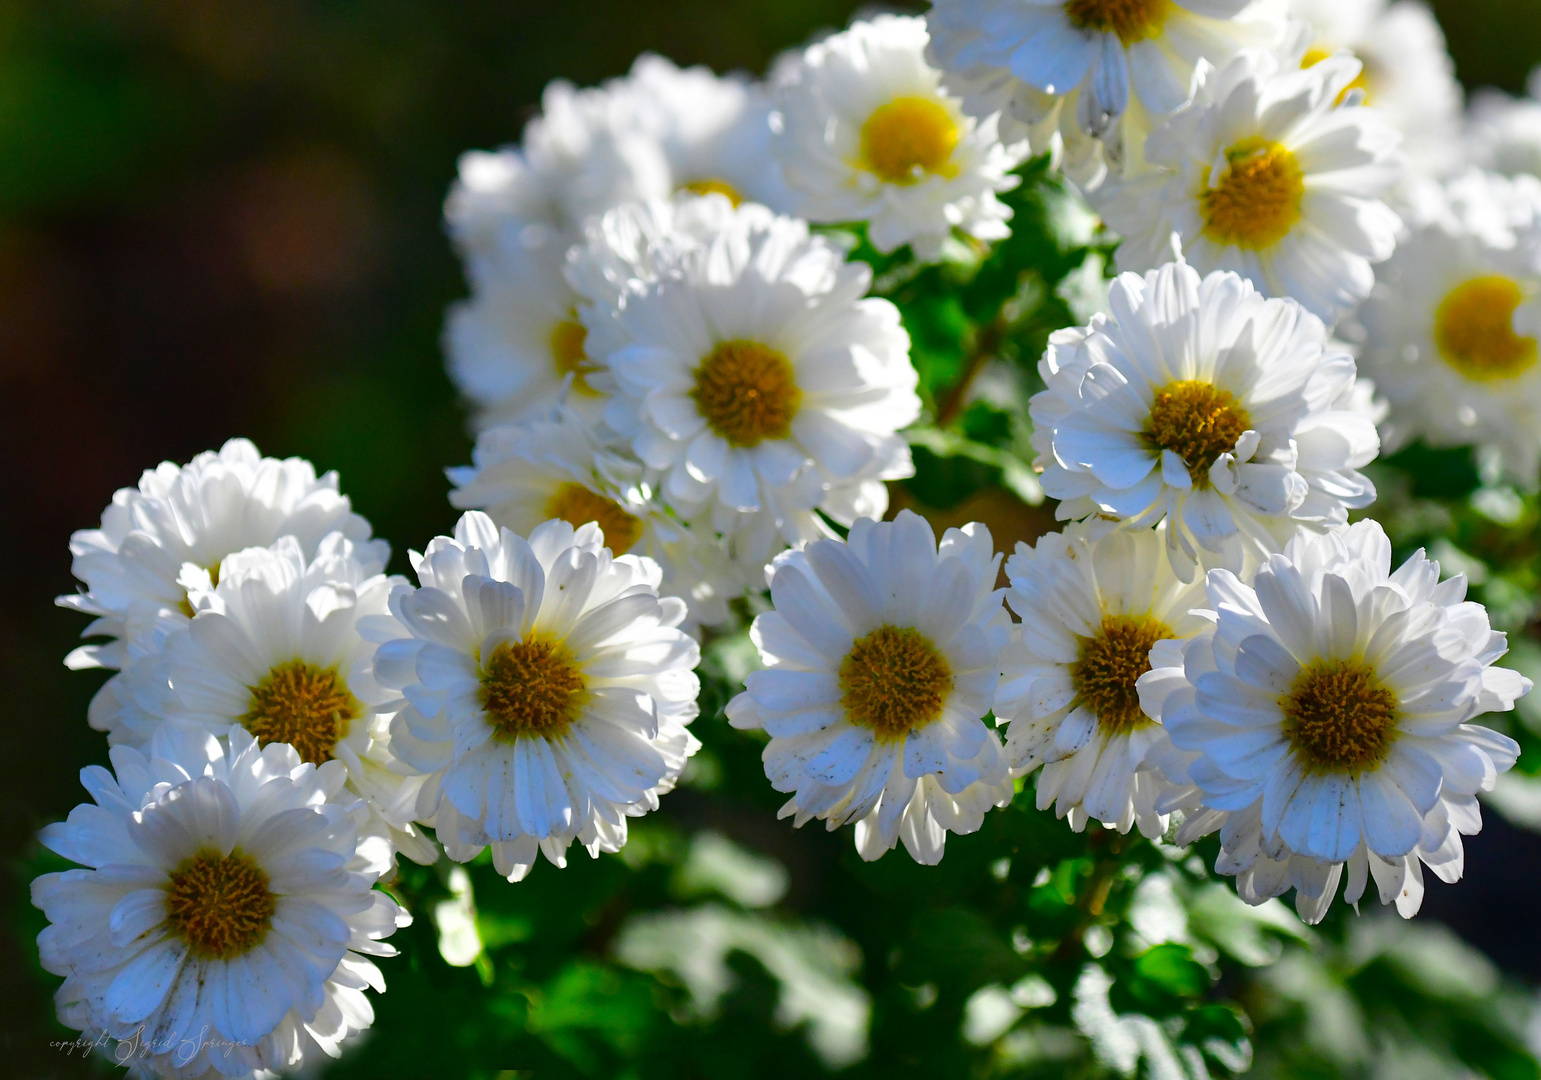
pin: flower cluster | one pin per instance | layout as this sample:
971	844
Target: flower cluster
691	389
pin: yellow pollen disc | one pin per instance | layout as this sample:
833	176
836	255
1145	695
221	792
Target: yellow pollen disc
908	138
577	505
568	339
1361	81
532	687
713	186
302	705
1474	330
1257	201
1338	717
219	904
747	393
1132	20
1109	666
1198	422
894	681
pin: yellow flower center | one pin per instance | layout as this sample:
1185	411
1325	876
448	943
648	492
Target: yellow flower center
302	705
894	681
1315	55
1257	201
1109	666
220	905
1338	717
908	138
747	393
1474	330
1198	422
714	186
1132	20
577	505
532	688
568	339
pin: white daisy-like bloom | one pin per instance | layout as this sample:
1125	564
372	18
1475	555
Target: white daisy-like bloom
222	923
1408	75
546	690
1503	134
516	348
170	533
1095	73
525	474
166	538
882	656
868	134
1096	603
1200	403
1266	175
714	130
755	377
1328	714
276	649
1443	334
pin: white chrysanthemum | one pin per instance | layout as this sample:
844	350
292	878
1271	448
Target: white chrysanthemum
224	924
754	376
714	130
1266	175
555	468
168	536
1440	330
1098	73
882	657
1201	403
516	348
1503	134
276	648
1332	704
1408	76
170	533
655	132
547	687
868	134
515	345
1096	604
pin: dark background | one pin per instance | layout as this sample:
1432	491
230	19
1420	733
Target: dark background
222	217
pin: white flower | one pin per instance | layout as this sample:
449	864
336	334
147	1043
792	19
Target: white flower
756	379
882	656
223	921
548	690
1092	70
1332	704
168	536
171	532
1201	403
555	468
1503	134
646	136
516	348
1441	334
868	134
714	130
276	648
1266	175
1096	604
1408	76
